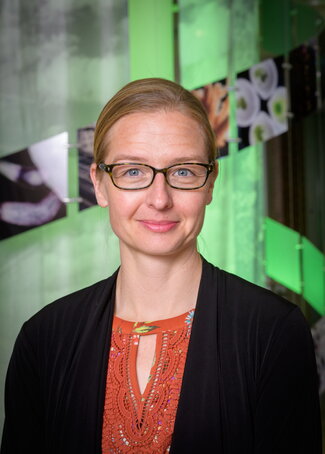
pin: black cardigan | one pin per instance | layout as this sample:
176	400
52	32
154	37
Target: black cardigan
250	382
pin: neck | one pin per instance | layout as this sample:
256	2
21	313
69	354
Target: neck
156	288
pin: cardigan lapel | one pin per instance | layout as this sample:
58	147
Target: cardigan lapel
80	415
198	420
106	333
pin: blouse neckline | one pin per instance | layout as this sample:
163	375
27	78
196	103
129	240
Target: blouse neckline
152	327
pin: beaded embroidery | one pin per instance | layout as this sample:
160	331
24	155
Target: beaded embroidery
144	423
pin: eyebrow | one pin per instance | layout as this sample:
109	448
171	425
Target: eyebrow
141	159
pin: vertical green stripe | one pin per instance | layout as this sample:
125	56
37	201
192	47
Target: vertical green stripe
151	42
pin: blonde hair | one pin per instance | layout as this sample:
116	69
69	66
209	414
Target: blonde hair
151	95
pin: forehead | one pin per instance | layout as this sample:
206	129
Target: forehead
151	135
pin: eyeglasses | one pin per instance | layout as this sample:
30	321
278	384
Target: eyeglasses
133	176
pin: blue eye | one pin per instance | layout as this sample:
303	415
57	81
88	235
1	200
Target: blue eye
133	172
183	173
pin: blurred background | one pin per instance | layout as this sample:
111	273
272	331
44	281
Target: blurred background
258	66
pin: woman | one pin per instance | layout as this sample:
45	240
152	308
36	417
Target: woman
91	374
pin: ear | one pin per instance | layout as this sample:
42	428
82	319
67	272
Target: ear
211	181
100	188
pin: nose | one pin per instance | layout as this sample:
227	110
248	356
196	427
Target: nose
159	193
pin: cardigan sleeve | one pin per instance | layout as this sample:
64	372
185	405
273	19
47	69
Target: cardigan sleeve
56	376
24	418
287	418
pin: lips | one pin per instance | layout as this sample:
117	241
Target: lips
159	226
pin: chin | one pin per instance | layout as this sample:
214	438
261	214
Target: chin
161	248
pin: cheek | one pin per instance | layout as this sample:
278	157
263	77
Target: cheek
121	204
194	207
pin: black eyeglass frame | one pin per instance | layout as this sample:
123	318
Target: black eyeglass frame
108	168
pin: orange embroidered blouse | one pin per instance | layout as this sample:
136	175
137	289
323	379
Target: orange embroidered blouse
144	423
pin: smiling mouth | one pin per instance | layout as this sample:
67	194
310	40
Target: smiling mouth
159	226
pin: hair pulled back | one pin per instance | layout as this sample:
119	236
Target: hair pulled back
150	95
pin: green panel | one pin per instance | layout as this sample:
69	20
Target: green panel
213	36
151	39
313	264
282	255
285	24
232	235
275	26
203	32
306	22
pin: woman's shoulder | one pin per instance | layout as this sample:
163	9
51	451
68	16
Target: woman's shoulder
244	299
248	314
74	307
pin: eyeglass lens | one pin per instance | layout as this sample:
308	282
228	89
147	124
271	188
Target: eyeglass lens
137	176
